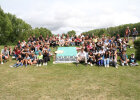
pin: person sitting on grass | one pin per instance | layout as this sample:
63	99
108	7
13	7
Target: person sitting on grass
113	59
19	62
106	58
132	60
124	59
39	59
46	58
17	52
26	60
37	51
33	59
99	59
91	59
4	54
81	56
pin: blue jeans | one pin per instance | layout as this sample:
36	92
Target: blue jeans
17	65
106	61
100	62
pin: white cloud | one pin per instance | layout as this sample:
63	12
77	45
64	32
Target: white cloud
80	15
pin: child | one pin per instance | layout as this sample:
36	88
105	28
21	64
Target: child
39	59
132	60
19	62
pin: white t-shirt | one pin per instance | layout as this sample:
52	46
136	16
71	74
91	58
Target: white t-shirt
81	54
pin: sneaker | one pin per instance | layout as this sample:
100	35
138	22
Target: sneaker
108	66
21	65
11	66
13	57
91	64
39	64
46	64
1	62
54	62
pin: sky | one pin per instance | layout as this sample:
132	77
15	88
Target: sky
61	16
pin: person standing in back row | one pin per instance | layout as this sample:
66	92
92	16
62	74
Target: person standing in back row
127	33
134	34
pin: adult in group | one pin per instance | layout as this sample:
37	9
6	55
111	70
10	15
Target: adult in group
4	54
81	57
134	34
127	33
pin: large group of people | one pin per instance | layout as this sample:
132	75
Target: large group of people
104	51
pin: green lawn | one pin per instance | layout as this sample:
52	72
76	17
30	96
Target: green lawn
68	82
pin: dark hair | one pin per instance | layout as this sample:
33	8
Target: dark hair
5	46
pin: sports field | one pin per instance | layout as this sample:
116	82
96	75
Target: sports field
68	82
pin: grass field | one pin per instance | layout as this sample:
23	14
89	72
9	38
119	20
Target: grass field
68	82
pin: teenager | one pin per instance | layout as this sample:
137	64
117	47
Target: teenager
46	57
91	58
33	59
113	59
106	58
99	59
26	60
39	59
19	62
124	58
132	60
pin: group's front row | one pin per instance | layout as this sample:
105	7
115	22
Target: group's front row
38	58
106	59
109	57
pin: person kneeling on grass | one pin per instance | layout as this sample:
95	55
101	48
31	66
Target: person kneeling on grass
19	62
81	56
4	54
124	59
39	59
132	60
46	57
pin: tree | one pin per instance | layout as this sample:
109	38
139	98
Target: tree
70	33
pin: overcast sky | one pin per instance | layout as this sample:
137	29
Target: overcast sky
80	15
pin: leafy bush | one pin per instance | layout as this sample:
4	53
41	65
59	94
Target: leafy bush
137	46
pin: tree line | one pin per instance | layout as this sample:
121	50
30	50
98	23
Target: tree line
13	29
113	31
